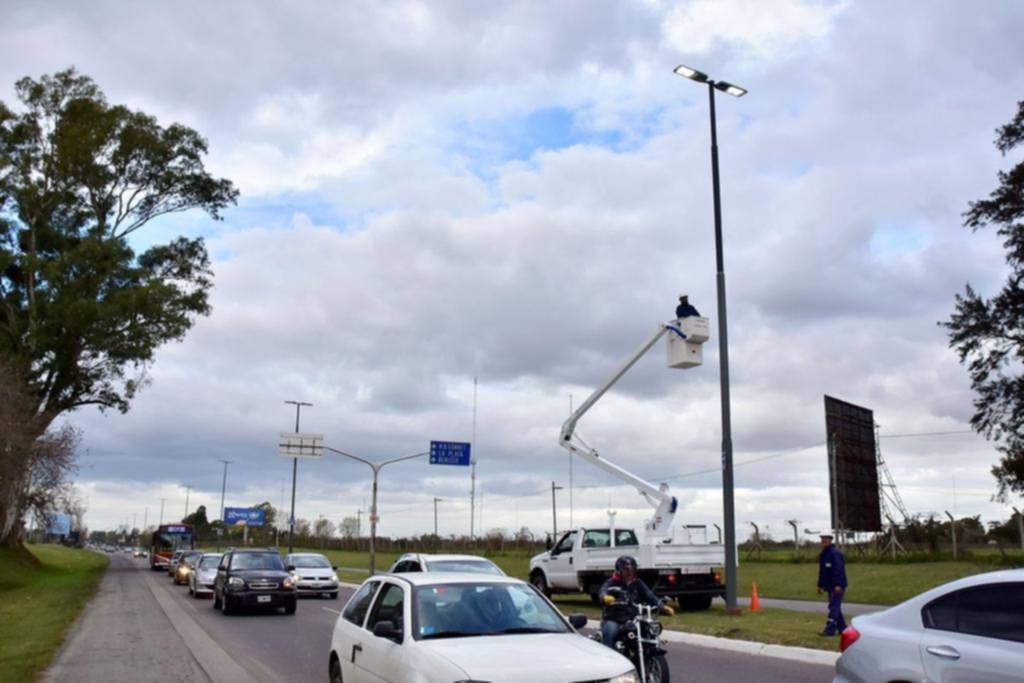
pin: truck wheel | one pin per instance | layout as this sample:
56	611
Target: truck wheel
541	584
694	603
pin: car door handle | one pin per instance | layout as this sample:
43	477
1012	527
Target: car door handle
356	648
570	560
943	651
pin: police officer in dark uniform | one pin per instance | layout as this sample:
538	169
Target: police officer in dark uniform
832	579
624	579
685	309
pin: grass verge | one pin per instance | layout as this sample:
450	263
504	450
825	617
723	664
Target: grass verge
43	588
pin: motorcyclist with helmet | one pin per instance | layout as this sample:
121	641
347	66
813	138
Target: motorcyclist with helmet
614	613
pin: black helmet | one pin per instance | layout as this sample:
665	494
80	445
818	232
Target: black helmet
625	562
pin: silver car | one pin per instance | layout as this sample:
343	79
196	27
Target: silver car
313	574
966	631
424	562
200	580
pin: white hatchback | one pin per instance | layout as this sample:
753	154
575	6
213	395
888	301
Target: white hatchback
966	631
443	628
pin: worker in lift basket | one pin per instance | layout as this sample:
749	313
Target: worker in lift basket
832	580
626	580
684	309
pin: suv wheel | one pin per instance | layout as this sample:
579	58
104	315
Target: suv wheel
225	605
289	607
216	600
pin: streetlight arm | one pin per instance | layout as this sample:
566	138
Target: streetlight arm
404	457
349	455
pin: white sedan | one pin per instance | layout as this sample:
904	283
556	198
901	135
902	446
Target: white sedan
423	562
449	628
966	631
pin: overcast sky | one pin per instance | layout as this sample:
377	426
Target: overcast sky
518	191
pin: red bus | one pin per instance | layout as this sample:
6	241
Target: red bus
166	539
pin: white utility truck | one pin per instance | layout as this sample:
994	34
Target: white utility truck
678	562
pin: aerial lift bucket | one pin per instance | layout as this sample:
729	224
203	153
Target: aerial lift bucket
685	341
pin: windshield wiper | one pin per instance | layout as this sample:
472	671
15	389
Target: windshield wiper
451	634
524	629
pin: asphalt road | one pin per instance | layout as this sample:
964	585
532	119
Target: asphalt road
273	646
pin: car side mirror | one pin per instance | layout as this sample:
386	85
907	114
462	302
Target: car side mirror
386	629
578	621
290	567
548	543
334	567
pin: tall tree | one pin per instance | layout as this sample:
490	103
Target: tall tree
988	334
81	314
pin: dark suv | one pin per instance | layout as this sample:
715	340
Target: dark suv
253	578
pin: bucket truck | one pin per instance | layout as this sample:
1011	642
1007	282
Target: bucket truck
677	562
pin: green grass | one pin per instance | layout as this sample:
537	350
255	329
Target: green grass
870	583
42	591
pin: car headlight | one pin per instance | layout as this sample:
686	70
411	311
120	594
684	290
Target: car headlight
628	677
334	577
287	583
295	577
235	582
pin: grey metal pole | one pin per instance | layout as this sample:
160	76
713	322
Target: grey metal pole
223	487
162	510
728	503
1020	527
952	530
472	476
295	471
436	500
188	490
554	514
373	523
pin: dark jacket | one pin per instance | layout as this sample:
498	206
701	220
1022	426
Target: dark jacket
686	310
831	569
638	593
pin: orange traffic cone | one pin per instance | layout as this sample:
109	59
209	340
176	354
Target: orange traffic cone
755	602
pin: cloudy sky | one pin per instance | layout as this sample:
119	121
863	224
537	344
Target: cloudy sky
517	192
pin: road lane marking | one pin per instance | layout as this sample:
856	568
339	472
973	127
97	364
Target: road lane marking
333	611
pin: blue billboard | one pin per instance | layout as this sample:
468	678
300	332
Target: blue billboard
59	525
449	453
246	516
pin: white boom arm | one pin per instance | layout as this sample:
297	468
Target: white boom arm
657	496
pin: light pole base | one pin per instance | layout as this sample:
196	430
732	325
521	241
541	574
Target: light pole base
733	612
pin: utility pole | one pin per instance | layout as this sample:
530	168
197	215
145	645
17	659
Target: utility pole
570	471
472	476
796	535
554	514
1020	527
188	490
162	500
952	530
359	523
145	518
295	470
223	487
436	501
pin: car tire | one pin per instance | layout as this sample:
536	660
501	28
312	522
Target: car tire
289	607
226	607
334	671
216	601
334	595
540	583
191	591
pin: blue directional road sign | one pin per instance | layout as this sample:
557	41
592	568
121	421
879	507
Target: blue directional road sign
59	525
247	516
449	453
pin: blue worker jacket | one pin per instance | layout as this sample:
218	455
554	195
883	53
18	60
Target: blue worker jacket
831	569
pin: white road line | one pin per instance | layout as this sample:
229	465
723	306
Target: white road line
333	611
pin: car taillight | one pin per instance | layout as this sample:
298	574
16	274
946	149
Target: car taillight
848	638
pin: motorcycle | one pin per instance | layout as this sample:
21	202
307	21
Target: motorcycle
639	641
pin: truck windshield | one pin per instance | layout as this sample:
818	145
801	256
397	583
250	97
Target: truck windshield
461	610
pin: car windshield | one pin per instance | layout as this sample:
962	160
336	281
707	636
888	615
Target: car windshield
209	561
257	561
310	562
461	610
472	566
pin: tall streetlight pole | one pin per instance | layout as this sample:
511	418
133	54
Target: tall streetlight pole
162	510
472	475
223	487
295	469
376	467
436	501
188	490
554	514
728	504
